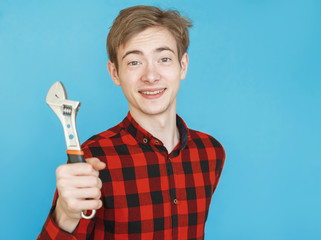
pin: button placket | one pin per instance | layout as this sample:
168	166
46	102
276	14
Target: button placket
174	206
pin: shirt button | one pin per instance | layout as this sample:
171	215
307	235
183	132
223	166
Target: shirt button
145	140
175	201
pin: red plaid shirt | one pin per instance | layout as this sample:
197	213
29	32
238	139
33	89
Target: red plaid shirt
148	193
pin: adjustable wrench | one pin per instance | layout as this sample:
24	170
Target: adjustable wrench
66	110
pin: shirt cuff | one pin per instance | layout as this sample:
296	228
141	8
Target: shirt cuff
51	231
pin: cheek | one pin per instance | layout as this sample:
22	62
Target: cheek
128	84
129	74
171	72
176	77
127	87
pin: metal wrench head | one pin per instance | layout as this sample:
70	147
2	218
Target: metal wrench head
56	92
66	110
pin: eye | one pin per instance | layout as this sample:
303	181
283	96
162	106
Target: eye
133	63
165	59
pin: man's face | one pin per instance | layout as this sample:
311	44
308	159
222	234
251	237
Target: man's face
150	72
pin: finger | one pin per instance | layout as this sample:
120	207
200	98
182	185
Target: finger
78	205
76	169
89	204
96	163
81	194
88	193
78	182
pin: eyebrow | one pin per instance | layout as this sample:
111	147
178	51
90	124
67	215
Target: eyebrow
164	49
132	52
138	52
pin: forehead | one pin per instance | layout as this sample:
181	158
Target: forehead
149	40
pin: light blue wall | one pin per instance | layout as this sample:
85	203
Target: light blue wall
254	83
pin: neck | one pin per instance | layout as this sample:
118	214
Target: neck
162	126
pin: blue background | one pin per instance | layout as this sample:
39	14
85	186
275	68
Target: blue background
254	82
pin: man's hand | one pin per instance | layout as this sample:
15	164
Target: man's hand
78	187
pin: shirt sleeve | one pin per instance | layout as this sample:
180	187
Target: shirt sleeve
51	230
220	160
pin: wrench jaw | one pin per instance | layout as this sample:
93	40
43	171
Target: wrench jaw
66	110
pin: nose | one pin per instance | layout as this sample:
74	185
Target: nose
150	73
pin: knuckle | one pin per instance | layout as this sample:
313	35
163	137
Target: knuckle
72	205
95	173
65	194
97	193
98	204
60	170
97	181
60	184
93	181
88	167
100	183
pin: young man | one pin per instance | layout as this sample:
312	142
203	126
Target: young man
149	177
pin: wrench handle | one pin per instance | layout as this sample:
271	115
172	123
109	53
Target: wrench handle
75	156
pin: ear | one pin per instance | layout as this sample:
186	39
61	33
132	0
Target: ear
113	73
184	65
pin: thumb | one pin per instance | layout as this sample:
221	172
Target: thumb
96	163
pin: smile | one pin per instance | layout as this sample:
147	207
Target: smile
152	92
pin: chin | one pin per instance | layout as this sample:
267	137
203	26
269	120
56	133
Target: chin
154	111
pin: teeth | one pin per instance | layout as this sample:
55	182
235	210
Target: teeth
154	92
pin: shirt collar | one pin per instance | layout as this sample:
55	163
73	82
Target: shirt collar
144	137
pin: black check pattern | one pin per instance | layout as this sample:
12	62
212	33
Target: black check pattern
148	193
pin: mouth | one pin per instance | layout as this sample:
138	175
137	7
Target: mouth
152	93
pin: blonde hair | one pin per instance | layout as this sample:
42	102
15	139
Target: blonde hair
134	20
